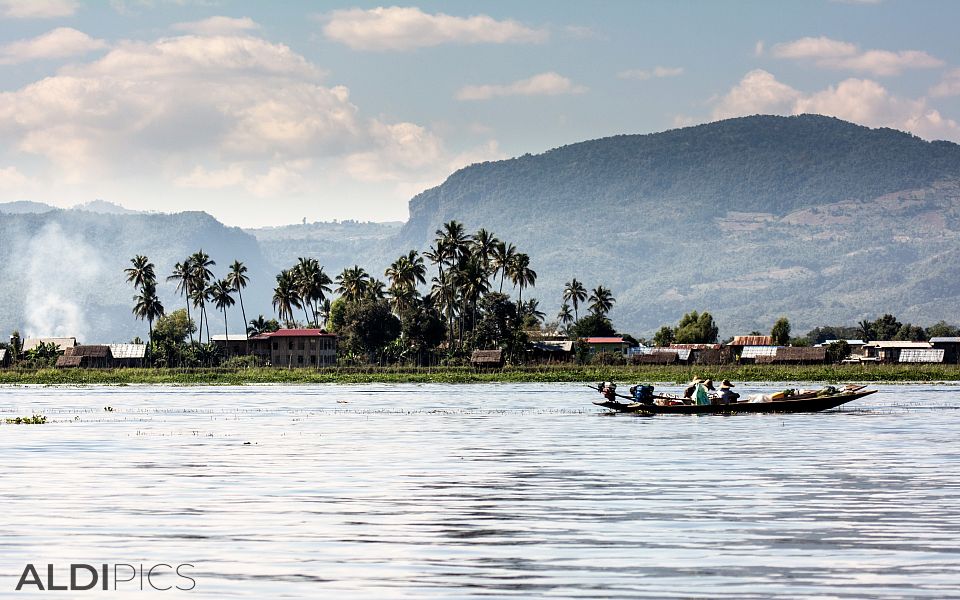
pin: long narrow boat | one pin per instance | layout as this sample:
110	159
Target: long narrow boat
805	404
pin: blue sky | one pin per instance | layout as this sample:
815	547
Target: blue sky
266	113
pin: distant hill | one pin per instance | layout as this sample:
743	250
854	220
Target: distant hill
821	220
22	207
107	208
811	217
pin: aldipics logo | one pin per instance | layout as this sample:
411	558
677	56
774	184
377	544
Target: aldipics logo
116	577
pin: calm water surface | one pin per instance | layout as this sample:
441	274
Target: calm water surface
420	491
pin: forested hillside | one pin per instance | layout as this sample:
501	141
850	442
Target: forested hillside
821	220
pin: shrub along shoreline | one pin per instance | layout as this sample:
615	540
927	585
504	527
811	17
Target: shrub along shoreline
674	374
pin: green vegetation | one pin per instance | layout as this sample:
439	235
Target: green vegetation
538	374
31	420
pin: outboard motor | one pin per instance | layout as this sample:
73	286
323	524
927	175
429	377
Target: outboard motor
642	393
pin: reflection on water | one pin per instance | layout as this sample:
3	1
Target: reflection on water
489	490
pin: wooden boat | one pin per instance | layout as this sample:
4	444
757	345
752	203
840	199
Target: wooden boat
804	403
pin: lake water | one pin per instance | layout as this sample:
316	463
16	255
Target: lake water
441	491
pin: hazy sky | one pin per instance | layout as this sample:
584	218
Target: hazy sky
264	113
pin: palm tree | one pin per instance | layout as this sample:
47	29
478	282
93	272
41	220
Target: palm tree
352	283
220	294
455	237
313	283
183	275
147	305
574	293
473	283
484	244
141	272
531	308
256	326
285	296
237	278
376	289
201	262
565	317
503	256
601	300
521	274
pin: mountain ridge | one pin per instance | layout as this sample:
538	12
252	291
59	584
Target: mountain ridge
821	220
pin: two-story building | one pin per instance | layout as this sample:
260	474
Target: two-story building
295	348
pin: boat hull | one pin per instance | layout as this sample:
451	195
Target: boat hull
778	406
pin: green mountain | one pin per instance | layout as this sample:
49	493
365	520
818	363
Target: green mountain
811	217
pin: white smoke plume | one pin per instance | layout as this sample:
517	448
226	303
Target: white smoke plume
59	274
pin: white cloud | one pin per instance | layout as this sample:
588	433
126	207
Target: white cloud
759	48
813	47
544	84
834	54
404	28
758	92
62	42
12	178
656	72
884	62
949	85
862	101
37	9
218	26
192	117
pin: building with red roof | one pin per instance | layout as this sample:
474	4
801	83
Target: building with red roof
296	348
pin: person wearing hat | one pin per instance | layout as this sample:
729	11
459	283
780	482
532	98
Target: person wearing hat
700	394
727	395
688	392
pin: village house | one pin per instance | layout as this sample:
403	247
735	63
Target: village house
61	342
295	348
4	358
902	352
487	359
128	355
614	345
950	347
234	344
90	356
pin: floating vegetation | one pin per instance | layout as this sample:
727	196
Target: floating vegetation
511	374
32	420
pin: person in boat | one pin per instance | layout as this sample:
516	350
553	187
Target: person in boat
701	395
690	389
727	395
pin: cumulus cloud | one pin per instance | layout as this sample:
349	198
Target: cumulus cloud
405	28
218	25
949	85
37	9
225	116
758	92
859	100
656	72
834	54
544	84
62	42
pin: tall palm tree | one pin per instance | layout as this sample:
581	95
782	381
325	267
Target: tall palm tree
352	283
455	237
574	293
473	283
601	300
201	262
285	296
147	305
141	272
484	244
220	293
521	274
237	278
183	275
503	256
376	289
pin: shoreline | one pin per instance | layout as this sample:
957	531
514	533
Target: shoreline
679	374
